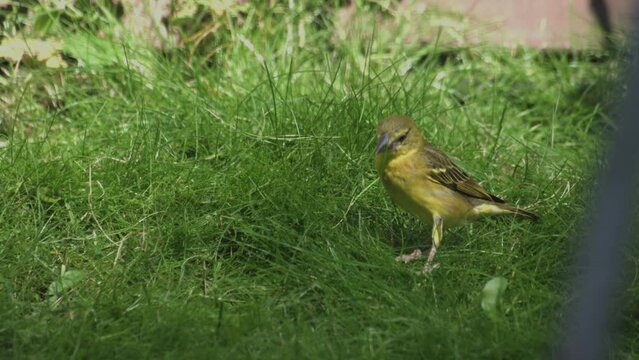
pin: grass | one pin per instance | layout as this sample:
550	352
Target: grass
229	208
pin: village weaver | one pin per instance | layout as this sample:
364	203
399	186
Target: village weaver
426	183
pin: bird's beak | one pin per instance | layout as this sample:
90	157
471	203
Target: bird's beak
382	144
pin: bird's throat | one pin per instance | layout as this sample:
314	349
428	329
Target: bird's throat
388	163
381	162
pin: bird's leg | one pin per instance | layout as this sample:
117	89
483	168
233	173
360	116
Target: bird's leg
438	232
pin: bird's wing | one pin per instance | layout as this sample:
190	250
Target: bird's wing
444	171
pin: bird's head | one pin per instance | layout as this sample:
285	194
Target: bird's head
397	135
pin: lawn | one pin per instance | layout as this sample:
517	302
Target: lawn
219	199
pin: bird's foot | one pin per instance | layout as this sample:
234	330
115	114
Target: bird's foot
416	254
429	267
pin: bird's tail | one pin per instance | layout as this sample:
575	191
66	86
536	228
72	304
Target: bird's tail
519	212
494	208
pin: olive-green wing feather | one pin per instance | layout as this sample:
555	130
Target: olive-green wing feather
447	173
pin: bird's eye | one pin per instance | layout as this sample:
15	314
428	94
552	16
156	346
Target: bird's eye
402	138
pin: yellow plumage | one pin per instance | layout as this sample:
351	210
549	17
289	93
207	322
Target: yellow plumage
426	183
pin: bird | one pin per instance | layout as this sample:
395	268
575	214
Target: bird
426	183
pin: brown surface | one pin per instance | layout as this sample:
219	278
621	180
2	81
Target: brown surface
538	23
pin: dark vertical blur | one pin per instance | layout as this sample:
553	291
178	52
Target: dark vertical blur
602	14
607	235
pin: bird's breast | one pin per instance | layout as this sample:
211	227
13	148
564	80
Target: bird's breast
406	181
399	178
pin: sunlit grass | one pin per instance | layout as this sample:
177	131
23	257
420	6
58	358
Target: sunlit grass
231	208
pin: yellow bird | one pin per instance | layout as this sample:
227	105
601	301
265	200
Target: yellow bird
426	183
